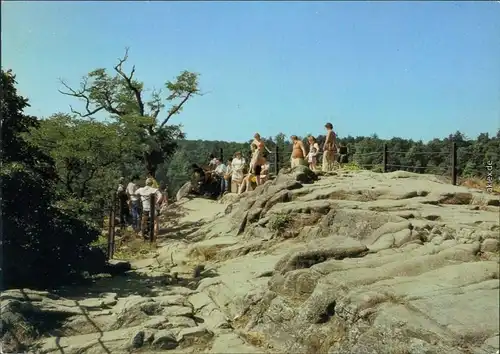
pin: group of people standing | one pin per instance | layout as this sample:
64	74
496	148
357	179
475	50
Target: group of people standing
236	175
135	204
330	151
239	176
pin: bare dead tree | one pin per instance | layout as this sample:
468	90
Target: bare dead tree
107	102
101	92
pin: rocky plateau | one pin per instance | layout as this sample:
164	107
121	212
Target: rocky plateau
349	262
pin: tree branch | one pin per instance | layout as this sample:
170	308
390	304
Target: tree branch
155	104
175	109
91	175
84	184
82	95
68	182
130	83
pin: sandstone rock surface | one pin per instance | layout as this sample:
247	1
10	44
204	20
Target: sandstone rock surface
352	262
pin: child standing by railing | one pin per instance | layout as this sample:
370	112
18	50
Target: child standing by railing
313	152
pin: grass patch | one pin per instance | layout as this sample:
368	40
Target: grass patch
128	245
351	166
134	248
479	183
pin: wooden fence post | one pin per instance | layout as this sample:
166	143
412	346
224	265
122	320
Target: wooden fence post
384	159
221	155
110	227
121	216
152	217
276	160
113	228
454	163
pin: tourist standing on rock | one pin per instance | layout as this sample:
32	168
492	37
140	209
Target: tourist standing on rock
258	160
212	161
228	174
342	157
264	174
135	206
145	194
198	179
329	149
313	152
298	152
220	171
122	202
237	167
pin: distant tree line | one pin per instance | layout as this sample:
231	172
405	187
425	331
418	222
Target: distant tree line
473	155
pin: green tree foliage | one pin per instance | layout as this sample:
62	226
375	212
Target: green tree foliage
280	141
88	156
42	245
123	97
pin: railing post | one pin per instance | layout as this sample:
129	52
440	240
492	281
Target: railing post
276	160
152	218
384	159
112	216
121	216
454	163
110	227
221	155
111	254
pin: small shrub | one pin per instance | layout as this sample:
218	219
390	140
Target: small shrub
280	222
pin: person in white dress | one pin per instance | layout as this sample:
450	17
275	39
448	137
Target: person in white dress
238	166
312	156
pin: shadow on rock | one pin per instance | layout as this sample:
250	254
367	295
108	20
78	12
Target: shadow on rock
130	283
177	231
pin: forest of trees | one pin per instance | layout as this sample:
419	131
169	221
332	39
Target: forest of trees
58	173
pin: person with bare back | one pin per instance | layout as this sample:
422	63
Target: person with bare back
329	149
258	156
298	152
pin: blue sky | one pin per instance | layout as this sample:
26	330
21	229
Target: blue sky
410	69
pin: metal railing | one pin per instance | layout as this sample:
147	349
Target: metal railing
277	161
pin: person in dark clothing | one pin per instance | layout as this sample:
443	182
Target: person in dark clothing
197	169
123	203
134	203
342	156
197	178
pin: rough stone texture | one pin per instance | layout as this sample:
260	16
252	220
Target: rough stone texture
350	262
